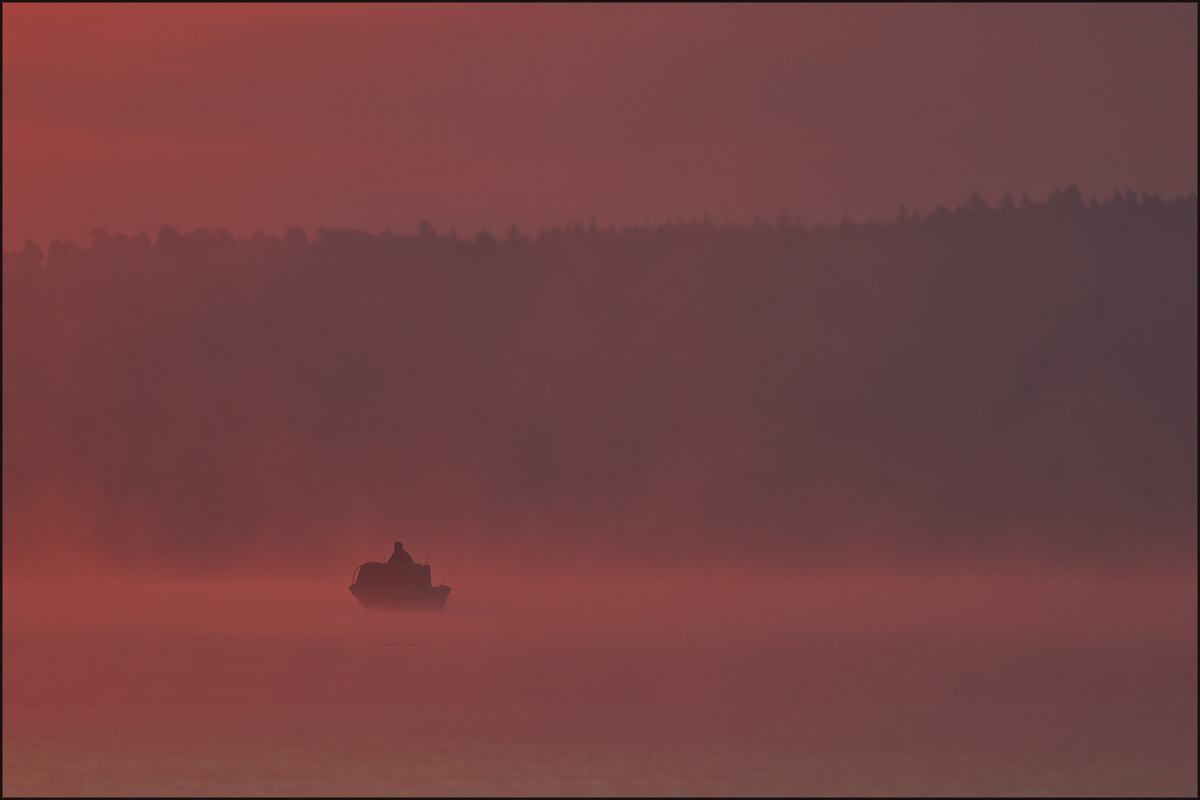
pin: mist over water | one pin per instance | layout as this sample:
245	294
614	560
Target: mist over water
1011	383
904	507
754	469
622	681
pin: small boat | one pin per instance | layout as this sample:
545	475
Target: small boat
406	585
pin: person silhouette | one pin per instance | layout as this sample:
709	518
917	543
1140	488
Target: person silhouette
399	557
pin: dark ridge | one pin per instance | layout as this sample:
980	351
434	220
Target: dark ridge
1019	379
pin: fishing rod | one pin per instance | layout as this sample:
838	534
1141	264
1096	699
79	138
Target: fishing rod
442	582
429	547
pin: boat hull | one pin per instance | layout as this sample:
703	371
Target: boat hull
413	597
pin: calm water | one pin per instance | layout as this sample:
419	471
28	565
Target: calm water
239	689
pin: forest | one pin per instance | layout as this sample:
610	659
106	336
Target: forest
1008	381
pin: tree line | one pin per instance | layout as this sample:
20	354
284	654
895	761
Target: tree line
1014	380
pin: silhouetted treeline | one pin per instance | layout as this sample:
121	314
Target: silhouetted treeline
1015	380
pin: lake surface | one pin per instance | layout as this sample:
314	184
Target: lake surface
810	687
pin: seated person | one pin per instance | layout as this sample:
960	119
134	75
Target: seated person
399	557
407	571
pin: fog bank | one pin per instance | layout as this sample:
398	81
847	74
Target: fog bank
994	384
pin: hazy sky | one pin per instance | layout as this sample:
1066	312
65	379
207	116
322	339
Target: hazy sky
128	117
903	509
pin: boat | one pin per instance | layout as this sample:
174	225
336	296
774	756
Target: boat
405	585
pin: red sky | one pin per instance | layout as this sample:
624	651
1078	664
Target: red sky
259	117
899	511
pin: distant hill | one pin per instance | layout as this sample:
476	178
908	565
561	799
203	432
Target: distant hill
1018	379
